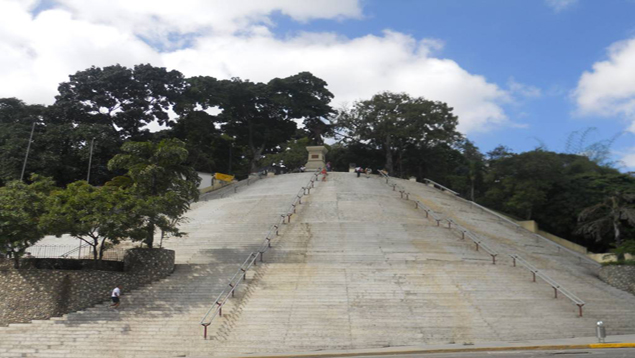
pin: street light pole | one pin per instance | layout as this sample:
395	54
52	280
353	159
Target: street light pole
28	148
90	159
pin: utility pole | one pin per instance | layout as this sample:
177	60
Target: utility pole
90	159
28	148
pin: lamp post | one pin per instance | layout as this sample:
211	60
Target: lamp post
90	159
28	148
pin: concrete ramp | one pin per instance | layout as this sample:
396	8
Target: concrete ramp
357	267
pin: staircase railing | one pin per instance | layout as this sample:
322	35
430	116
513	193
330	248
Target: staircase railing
451	224
557	287
252	260
519	227
553	283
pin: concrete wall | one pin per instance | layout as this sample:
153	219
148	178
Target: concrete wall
533	227
206	180
29	294
622	277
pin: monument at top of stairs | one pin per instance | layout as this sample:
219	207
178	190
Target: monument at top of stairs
317	158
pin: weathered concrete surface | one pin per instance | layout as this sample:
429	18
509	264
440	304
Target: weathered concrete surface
357	268
361	268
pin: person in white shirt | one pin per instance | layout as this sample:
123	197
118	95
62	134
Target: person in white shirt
115	296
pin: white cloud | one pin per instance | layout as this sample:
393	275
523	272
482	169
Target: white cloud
560	5
522	89
609	89
36	53
627	157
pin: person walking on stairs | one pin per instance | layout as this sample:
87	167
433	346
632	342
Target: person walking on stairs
114	296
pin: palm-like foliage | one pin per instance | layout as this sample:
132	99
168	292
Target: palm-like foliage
604	221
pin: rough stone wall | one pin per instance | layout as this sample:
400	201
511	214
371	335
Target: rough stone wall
622	277
29	294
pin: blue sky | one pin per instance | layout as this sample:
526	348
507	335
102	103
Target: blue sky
520	73
513	40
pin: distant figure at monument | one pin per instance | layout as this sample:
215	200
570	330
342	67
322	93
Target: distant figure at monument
114	296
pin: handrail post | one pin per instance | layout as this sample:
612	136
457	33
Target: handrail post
462	235
534	274
205	330
269	242
416	205
232	286
299	200
514	260
293	205
493	259
476	245
276	226
394	186
261	256
283	217
407	196
449	224
289	217
580	308
555	292
437	221
220	310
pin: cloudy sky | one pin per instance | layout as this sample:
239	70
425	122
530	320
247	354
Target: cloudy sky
518	72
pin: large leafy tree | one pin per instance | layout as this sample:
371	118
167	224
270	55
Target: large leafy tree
396	122
16	120
126	99
160	180
305	96
605	220
95	215
21	209
254	118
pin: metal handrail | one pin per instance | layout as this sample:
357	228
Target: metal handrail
520	227
535	272
441	186
437	217
557	287
217	308
477	240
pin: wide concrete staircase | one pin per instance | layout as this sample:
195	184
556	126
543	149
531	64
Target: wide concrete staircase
357	267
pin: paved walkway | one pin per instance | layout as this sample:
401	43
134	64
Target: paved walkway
357	268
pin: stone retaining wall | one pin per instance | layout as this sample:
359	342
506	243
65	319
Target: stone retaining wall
622	277
29	294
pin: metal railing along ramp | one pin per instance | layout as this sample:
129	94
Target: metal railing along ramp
452	225
581	258
216	309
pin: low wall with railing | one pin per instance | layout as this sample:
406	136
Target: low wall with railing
30	293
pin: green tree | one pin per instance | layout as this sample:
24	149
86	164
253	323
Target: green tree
125	99
604	221
16	120
95	215
395	122
161	181
21	208
307	97
293	154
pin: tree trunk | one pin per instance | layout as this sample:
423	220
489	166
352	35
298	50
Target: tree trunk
16	260
472	189
150	238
